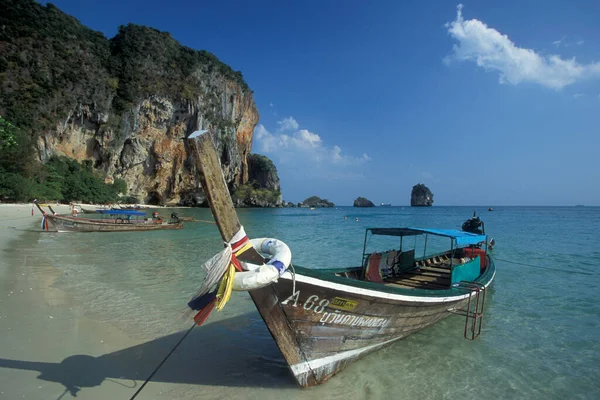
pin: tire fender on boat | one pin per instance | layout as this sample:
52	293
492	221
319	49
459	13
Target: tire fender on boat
258	276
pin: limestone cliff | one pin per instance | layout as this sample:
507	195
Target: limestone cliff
421	196
149	150
125	104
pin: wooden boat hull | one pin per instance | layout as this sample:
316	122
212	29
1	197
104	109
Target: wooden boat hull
71	224
326	325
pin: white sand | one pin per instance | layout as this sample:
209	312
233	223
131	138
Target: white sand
47	345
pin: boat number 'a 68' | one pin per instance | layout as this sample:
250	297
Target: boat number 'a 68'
311	303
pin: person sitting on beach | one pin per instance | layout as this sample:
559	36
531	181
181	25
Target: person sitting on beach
156	218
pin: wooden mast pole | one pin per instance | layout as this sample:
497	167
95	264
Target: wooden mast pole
219	200
216	191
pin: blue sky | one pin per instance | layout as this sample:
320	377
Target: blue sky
488	103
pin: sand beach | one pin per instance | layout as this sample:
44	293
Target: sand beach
50	348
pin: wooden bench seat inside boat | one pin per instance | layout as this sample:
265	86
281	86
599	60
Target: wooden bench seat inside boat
399	269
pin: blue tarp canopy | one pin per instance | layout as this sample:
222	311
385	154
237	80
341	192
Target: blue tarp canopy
462	238
121	212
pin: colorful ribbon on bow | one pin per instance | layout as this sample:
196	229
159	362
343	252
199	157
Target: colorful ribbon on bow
221	268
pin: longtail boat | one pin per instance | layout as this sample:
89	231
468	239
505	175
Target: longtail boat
118	221
85	210
324	319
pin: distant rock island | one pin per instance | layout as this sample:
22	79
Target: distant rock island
421	196
316	201
363	202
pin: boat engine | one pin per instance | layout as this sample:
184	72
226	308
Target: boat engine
474	225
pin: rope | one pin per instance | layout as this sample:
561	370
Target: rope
162	362
540	267
293	272
205	221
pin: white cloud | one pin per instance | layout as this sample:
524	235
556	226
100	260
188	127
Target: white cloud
271	105
302	149
578	95
557	43
563	42
494	51
287	124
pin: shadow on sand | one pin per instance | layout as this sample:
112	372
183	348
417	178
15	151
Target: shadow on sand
238	351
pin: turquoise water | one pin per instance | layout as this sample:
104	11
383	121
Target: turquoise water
541	336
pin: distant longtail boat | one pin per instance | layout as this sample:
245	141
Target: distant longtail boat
118	221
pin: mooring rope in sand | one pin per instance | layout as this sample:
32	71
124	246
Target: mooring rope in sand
162	362
548	268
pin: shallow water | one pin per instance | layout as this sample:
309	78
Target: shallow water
541	336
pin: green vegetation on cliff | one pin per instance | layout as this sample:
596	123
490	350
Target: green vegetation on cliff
175	66
51	65
253	196
60	178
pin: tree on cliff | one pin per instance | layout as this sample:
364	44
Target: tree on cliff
421	196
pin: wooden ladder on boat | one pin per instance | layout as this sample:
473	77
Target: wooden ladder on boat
473	312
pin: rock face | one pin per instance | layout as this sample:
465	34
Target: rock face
125	104
263	172
421	196
363	202
262	188
316	201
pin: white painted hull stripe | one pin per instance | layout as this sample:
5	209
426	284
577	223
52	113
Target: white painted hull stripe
304	367
376	293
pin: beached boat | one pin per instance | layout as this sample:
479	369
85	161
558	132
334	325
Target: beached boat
324	319
87	210
117	221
